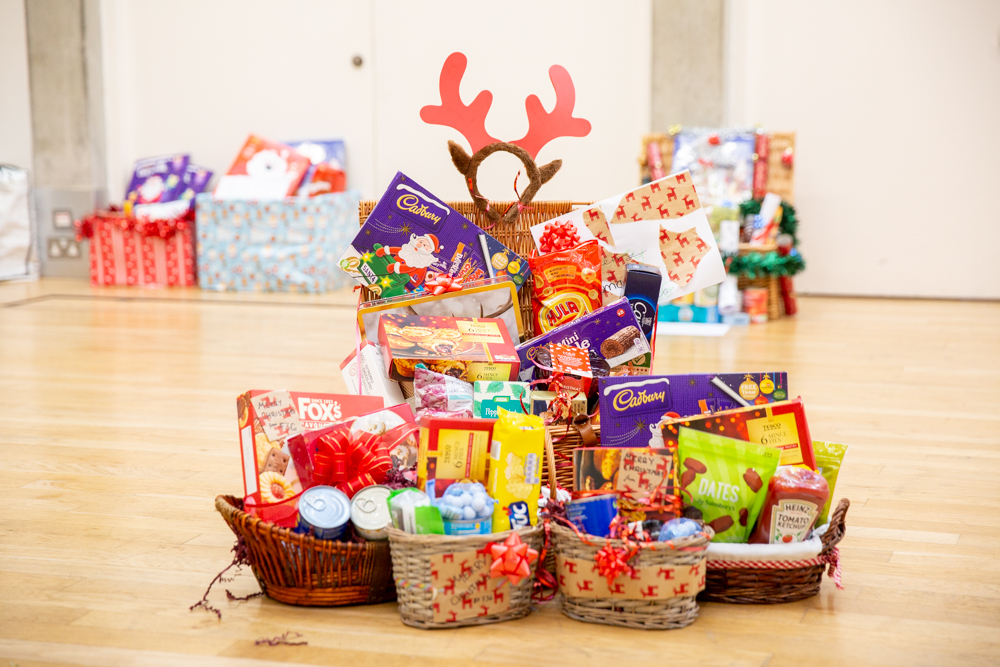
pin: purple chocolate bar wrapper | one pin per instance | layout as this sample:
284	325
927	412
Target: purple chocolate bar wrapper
589	332
411	235
194	181
631	407
157	179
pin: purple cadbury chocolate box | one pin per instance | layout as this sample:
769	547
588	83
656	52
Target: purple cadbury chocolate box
412	241
631	407
156	179
612	332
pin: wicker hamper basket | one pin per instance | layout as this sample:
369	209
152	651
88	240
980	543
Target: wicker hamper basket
659	614
301	570
778	584
411	564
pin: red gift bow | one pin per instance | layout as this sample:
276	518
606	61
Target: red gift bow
350	461
440	283
513	559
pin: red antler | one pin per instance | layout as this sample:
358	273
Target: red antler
469	120
544	127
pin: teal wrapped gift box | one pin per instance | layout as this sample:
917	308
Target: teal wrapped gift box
289	245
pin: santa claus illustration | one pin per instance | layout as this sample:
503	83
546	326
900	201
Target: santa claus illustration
413	258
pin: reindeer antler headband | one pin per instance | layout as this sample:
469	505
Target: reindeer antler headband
470	120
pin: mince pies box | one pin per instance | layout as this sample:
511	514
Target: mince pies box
467	348
267	419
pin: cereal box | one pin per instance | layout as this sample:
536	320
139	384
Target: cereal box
515	469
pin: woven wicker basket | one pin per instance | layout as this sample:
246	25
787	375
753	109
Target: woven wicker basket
771	586
566	438
411	563
668	614
516	236
301	570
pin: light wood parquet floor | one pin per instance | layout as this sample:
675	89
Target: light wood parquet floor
118	430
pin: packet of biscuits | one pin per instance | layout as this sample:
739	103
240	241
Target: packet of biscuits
726	480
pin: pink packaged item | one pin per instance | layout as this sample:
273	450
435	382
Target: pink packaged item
439	395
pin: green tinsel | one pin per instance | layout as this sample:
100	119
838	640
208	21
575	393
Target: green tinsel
762	265
789	221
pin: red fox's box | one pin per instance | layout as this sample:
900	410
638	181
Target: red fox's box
467	348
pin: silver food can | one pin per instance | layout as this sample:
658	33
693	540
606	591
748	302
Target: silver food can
370	512
324	512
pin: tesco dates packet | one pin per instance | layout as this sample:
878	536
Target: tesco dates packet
412	241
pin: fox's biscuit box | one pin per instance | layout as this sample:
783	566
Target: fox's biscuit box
467	348
267	419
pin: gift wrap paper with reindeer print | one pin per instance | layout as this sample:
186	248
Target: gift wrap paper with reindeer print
284	245
579	578
661	224
463	587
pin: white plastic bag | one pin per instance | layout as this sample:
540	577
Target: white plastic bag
15	223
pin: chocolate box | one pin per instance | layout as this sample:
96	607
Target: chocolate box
267	420
612	332
467	348
632	407
781	425
412	238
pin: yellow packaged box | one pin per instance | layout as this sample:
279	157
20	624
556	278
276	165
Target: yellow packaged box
452	450
515	469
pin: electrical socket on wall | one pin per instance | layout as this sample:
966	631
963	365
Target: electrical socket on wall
63	247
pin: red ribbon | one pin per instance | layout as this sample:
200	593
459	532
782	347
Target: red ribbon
512	559
164	229
439	283
350	461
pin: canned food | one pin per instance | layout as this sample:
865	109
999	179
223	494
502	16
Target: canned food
324	512
594	514
370	512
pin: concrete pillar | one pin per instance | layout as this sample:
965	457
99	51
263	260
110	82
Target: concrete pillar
67	117
687	86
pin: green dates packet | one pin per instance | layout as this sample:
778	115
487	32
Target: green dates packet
726	480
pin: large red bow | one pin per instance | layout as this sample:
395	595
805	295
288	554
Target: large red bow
439	283
513	559
350	461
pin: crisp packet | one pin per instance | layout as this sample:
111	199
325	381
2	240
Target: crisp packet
440	394
515	469
829	458
726	480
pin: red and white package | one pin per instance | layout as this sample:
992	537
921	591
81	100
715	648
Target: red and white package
263	170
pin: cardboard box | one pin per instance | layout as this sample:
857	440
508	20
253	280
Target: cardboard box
470	349
452	450
267	419
781	425
374	381
489	397
631	408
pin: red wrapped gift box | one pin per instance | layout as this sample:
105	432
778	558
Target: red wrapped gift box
147	253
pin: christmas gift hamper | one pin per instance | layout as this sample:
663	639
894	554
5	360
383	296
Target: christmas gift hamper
447	581
770	574
302	570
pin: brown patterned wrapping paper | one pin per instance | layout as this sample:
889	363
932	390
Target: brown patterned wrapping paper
464	586
578	577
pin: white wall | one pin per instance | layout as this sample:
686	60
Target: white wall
896	104
199	76
15	95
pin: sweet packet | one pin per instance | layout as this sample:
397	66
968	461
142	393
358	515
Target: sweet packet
726	480
829	458
515	469
567	285
440	395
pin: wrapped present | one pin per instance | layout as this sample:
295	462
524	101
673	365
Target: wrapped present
155	249
282	245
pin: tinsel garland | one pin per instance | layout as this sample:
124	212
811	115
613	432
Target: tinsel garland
762	265
162	228
789	220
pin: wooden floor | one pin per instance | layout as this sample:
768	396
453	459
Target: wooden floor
118	430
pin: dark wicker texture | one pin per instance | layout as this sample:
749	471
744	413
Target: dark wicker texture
760	586
301	570
516	236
